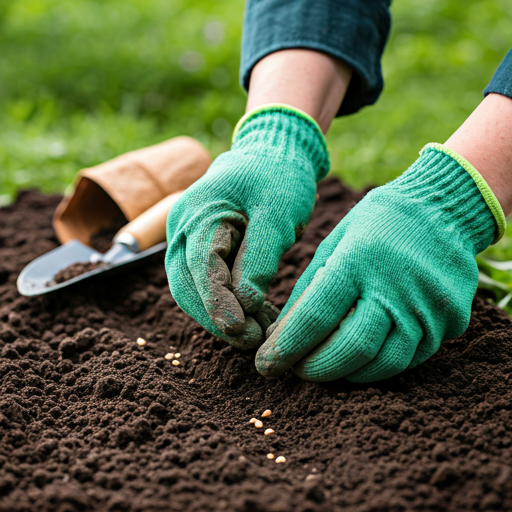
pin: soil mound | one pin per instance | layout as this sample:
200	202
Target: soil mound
91	421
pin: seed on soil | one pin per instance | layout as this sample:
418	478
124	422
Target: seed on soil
141	342
258	424
266	413
170	355
191	381
280	459
268	431
253	420
270	455
177	355
176	362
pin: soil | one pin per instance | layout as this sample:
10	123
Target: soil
102	240
90	421
74	270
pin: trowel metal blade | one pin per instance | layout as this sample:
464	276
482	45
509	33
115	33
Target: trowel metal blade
37	277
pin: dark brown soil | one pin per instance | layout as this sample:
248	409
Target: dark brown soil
89	421
75	270
102	240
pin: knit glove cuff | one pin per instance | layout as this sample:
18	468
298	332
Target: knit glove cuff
285	128
487	194
457	194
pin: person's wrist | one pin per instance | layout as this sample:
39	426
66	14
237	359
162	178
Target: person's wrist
309	80
483	139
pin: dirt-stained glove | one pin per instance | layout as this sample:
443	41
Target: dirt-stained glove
229	230
398	272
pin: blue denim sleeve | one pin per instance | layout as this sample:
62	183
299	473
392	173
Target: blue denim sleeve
354	31
501	82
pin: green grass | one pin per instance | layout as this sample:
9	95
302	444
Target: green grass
83	81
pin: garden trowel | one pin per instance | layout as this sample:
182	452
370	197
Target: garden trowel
140	238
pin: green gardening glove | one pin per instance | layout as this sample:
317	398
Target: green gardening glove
398	272
229	230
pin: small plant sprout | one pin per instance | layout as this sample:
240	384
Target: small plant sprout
175	363
268	431
169	356
266	413
258	424
280	459
270	456
496	276
141	342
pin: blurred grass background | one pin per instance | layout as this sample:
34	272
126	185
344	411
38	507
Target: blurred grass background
83	81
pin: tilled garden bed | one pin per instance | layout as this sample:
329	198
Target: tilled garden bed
92	421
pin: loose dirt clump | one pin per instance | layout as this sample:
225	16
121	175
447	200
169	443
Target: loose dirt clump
92	421
77	269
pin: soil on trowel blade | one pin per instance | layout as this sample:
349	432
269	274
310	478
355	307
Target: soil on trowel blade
75	270
92	421
101	242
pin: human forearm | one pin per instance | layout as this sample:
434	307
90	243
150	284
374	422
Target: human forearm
311	81
484	140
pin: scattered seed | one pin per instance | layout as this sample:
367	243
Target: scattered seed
115	353
141	342
253	420
280	459
258	424
248	398
170	355
191	381
270	455
172	349
177	355
242	458
268	431
176	362
268	412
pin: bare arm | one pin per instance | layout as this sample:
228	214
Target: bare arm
485	140
313	82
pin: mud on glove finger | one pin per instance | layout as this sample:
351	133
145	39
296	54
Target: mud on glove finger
310	320
210	247
188	299
257	262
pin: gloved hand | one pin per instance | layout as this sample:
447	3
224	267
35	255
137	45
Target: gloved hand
398	272
228	231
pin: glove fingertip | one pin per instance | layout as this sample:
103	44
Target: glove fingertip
268	361
251	338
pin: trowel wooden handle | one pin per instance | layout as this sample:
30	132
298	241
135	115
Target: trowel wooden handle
149	227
